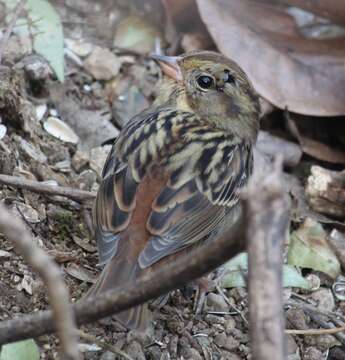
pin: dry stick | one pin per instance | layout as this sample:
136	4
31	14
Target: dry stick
62	313
41	188
316	331
267	218
8	32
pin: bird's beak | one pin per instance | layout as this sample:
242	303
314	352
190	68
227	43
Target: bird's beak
170	65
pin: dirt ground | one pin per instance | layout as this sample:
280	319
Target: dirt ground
95	108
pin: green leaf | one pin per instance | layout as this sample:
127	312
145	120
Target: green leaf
45	27
48	34
238	266
26	349
309	249
292	278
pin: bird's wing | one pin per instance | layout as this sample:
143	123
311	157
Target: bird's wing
206	171
184	215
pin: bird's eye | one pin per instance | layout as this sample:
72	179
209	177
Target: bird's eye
205	82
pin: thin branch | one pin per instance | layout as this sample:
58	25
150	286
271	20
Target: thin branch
62	313
102	344
316	331
267	218
41	188
9	30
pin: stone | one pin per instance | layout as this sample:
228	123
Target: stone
322	342
231	343
291	345
102	64
312	353
297	318
32	152
324	299
80	160
216	302
229	325
36	67
86	180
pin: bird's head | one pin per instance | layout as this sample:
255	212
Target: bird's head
215	88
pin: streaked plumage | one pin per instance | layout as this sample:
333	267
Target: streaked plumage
173	176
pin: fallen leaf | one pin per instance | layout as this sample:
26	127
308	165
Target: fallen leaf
27	283
322	151
305	75
80	273
236	269
333	10
60	130
84	244
309	248
47	34
316	148
26	349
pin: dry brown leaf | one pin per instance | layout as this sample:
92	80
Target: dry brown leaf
333	10
321	151
305	75
316	148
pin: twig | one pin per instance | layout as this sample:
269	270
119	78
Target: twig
103	344
316	331
15	231
8	32
225	298
267	218
41	188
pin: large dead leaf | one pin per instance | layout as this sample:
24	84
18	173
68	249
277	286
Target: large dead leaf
305	75
309	248
333	10
316	148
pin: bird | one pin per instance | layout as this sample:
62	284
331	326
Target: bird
174	174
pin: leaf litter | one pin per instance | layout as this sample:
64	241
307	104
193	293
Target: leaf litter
293	54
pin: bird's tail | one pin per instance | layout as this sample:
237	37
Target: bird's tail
117	273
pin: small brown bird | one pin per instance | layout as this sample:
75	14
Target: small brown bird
173	176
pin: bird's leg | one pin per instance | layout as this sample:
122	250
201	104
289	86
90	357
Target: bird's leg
204	285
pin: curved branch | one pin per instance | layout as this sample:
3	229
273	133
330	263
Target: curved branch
62	314
189	267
